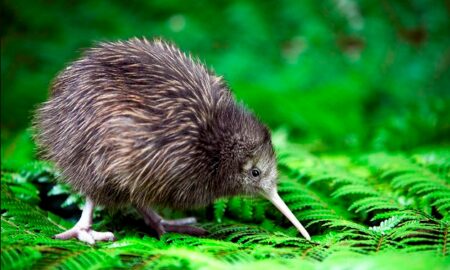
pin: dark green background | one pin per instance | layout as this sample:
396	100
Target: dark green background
339	75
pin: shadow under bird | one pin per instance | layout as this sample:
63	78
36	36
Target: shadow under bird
139	123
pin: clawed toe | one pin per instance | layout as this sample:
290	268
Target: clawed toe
103	236
181	221
161	226
85	235
185	229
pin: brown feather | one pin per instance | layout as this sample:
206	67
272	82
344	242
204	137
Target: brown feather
139	122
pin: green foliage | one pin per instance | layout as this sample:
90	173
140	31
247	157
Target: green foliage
363	77
17	149
339	74
375	207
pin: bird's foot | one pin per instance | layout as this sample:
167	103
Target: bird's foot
162	226
86	235
185	229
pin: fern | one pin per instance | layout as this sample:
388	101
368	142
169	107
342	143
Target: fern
429	189
373	207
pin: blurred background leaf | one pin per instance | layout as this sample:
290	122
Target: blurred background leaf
337	74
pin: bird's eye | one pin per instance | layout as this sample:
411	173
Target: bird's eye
255	172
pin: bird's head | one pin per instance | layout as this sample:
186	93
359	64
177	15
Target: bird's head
247	160
259	175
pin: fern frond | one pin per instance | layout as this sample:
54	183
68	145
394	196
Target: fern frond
373	203
415	180
362	206
386	225
219	209
354	189
19	257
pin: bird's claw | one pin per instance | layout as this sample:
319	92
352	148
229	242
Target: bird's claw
161	226
185	229
86	235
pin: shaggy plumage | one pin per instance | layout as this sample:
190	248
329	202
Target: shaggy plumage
141	123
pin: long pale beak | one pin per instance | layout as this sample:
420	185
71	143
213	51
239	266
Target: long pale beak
274	198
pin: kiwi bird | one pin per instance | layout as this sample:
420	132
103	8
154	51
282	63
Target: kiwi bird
139	123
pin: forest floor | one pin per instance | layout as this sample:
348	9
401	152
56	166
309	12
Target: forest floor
377	210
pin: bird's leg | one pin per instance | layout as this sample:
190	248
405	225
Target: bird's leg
162	226
82	230
153	220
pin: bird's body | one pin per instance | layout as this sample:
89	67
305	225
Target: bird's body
140	123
